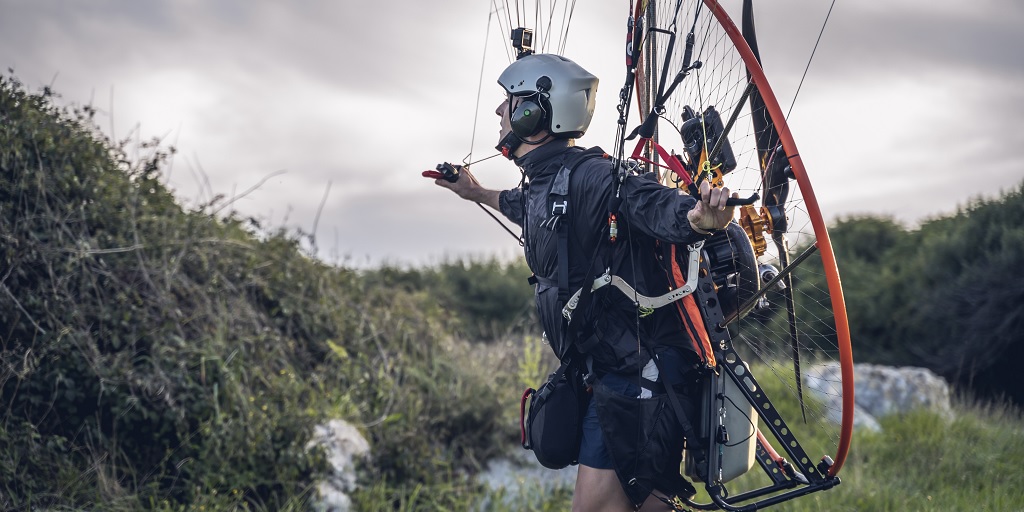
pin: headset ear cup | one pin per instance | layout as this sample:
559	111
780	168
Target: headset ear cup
527	119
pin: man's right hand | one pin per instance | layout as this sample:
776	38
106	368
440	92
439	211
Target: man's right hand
467	187
711	212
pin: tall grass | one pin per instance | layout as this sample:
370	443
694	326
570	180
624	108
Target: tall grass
922	462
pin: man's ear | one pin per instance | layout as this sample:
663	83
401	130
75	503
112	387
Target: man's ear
528	119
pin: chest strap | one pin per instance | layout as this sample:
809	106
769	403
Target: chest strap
644	301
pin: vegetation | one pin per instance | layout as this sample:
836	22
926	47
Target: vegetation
156	357
920	461
482	299
948	296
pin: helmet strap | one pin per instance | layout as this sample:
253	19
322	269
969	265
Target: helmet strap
508	145
511	142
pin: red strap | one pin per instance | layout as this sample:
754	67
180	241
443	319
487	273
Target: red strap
522	417
673	163
688	307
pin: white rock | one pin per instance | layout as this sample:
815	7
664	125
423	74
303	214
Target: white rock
343	445
521	469
885	390
824	382
879	391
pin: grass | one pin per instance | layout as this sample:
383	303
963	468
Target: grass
922	462
919	462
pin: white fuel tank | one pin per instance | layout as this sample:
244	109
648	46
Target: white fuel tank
740	421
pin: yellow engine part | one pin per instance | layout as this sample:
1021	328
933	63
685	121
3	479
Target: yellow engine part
756	225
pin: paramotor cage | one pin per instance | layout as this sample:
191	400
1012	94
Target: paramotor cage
769	289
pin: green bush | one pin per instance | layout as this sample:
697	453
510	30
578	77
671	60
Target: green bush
482	299
152	357
140	339
948	296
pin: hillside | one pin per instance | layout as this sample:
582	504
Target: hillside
151	355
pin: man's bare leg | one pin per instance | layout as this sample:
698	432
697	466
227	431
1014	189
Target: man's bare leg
598	490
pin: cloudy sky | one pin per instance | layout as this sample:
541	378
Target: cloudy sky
911	107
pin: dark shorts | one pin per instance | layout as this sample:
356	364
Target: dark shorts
593	452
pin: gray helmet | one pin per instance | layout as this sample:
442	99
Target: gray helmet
566	91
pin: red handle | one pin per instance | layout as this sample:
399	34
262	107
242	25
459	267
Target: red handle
522	417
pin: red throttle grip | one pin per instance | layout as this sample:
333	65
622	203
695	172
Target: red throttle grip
445	171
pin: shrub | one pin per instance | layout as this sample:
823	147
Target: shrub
153	357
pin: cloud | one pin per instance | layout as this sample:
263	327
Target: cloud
869	38
919	99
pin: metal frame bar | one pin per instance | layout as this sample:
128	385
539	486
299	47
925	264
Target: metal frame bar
732	367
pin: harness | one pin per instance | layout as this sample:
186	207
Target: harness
560	221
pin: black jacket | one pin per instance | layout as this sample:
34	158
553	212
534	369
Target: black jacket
648	212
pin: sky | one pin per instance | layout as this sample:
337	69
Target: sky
910	108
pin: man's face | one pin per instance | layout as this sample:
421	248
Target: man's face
504	111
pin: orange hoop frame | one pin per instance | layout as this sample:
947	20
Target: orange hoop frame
823	243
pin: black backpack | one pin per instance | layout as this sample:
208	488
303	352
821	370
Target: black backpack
553	426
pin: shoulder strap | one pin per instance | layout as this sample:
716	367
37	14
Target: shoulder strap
558	197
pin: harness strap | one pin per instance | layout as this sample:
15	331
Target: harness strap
643	301
690	313
560	215
534	279
693	442
563	261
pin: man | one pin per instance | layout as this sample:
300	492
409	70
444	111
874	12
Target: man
550	101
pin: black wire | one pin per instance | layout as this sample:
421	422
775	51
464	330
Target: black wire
518	238
749	421
505	38
508	14
502	224
636	309
811	58
551	20
675	15
565	32
552	6
479	88
696	15
536	20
